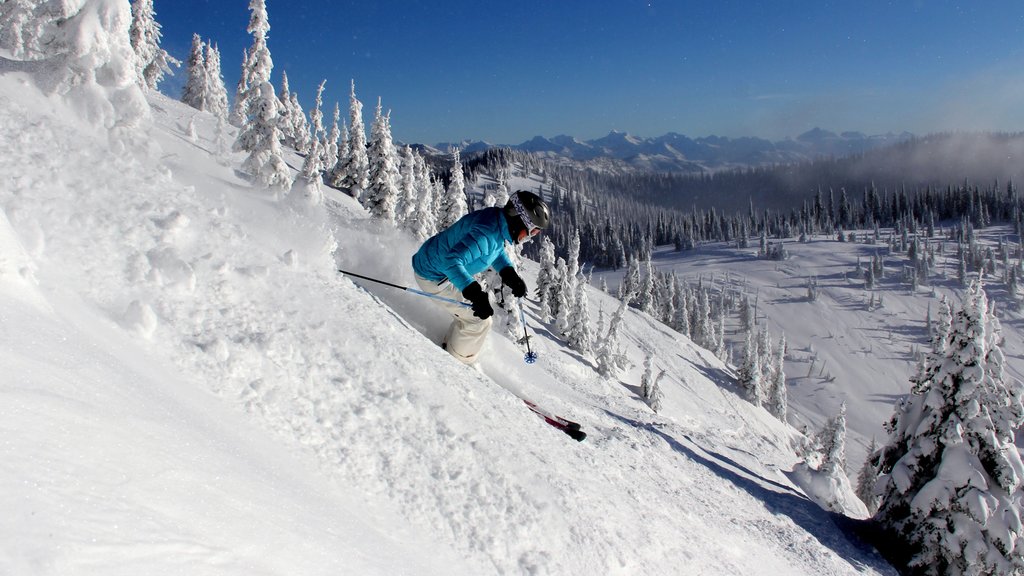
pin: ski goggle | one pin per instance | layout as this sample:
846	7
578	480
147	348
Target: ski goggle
524	214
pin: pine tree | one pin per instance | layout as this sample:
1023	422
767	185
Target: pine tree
217	94
406	204
382	194
453	205
750	371
778	401
83	53
649	388
833	444
609	355
951	475
356	164
309	179
546	279
262	139
867	477
422	222
152	61
562	297
579	336
197	90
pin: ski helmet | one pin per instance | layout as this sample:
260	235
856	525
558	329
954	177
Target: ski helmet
528	212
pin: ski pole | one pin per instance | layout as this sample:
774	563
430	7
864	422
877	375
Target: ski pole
407	289
531	356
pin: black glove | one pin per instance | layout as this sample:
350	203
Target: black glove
511	279
481	304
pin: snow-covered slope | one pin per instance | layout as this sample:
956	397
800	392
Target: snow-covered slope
850	345
188	386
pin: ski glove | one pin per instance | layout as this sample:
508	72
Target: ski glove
481	303
514	282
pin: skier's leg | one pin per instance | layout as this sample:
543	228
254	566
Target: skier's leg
467	333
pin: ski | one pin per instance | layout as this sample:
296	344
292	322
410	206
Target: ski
572	429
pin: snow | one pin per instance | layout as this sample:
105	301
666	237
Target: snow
189	386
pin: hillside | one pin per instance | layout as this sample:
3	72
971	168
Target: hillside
191	387
841	348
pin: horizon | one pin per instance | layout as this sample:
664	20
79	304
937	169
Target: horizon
451	73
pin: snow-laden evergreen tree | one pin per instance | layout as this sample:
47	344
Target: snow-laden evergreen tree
316	115
382	193
309	180
646	297
84	54
572	259
609	355
765	353
950	474
422	222
453	205
547	280
23	27
580	337
217	93
238	109
336	173
301	131
943	324
833	444
406	186
256	71
356	169
196	92
650	389
152	62
631	280
778	395
333	136
562	297
867	477
261	137
287	122
750	371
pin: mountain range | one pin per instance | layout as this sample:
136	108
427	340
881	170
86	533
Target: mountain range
675	152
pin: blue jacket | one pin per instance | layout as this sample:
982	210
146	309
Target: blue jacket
473	244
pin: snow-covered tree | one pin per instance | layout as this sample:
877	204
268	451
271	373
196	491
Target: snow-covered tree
333	136
356	165
309	180
833	444
217	94
85	56
262	139
951	474
609	355
381	197
579	336
453	205
196	92
750	371
546	280
778	401
867	477
151	61
422	222
256	71
650	389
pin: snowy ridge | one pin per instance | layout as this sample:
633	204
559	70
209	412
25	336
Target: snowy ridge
210	396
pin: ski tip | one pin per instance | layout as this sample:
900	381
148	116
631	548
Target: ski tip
577	435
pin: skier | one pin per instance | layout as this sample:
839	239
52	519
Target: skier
446	264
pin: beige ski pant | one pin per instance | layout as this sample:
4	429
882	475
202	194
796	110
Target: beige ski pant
467	334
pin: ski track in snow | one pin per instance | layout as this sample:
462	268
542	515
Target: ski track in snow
158	245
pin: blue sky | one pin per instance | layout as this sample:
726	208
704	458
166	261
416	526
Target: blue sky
507	71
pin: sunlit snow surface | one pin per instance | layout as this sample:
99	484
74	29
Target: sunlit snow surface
187	385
